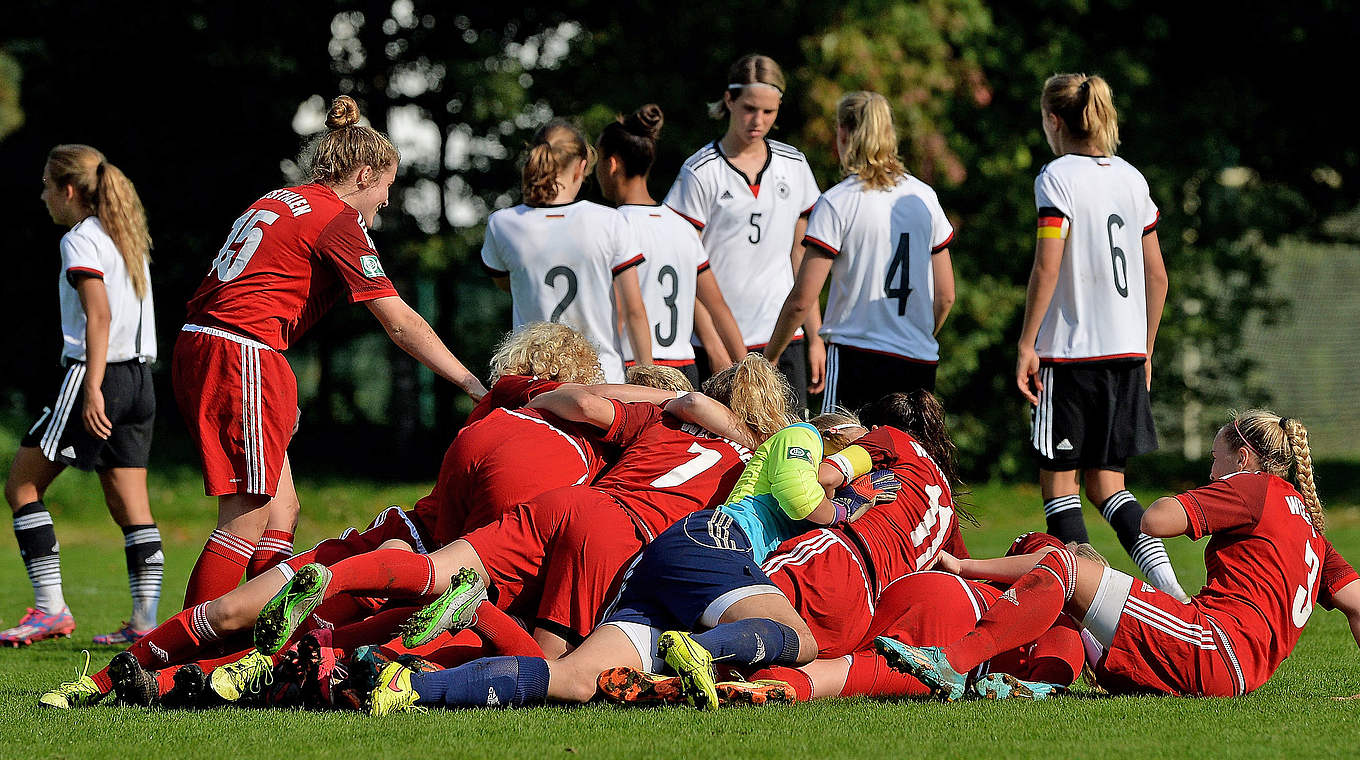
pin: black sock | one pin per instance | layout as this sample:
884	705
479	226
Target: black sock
1125	515
41	554
146	568
1063	515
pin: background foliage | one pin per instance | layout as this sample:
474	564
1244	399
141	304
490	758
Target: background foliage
1233	117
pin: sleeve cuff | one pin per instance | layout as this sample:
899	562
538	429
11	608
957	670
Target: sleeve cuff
74	274
821	244
629	264
619	413
1151	228
1194	517
936	249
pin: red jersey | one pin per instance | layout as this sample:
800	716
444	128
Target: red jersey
1266	567
906	534
509	392
287	260
668	468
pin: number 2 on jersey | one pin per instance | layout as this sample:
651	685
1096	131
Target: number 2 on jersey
246	232
570	295
901	260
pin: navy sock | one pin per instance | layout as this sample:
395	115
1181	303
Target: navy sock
1063	515
488	682
751	642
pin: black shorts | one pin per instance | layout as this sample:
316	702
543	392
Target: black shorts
793	363
129	403
1092	415
856	377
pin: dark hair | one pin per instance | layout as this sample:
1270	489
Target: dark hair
921	414
632	139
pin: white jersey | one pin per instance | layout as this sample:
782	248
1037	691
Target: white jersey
561	261
747	228
669	279
87	250
882	280
1100	204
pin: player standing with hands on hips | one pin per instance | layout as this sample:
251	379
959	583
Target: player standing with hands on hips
883	234
286	261
750	196
567	260
103	414
1091	314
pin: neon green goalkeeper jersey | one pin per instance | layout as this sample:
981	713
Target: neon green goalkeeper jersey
778	489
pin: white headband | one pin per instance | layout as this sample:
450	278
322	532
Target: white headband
739	86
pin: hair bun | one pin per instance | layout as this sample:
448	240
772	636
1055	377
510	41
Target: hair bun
646	121
344	112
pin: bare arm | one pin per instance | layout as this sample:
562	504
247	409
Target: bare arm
1154	272
1003	569
1165	518
710	296
942	267
414	335
712	416
1043	280
629	393
628	295
812	319
802	300
576	403
94	299
710	340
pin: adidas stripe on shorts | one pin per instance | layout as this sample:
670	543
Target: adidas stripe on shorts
1092	415
129	403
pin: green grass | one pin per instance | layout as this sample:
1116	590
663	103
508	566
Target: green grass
1290	717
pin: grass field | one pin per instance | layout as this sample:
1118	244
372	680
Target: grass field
1292	716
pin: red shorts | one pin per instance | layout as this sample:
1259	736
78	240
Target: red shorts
825	579
501	461
929	608
558	554
239	399
391	523
1163	646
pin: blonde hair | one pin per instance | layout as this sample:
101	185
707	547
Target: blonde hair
347	146
557	146
113	198
658	376
548	351
1278	443
1086	106
839	427
749	69
871	143
758	394
1086	551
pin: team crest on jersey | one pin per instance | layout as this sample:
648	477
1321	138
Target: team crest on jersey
798	452
782	188
371	266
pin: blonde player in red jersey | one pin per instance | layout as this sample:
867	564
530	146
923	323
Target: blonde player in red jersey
884	236
750	197
287	260
1267	561
676	273
1091	315
568	260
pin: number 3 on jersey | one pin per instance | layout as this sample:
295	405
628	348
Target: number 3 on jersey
245	237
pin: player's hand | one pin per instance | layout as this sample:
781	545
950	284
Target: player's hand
474	388
1027	374
817	365
948	563
93	415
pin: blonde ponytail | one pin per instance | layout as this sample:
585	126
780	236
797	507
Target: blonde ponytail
112	197
757	392
871	144
557	145
1086	106
1279	443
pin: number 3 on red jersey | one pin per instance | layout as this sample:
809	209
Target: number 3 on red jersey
246	234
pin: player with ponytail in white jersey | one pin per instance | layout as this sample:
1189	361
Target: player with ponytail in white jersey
750	197
884	236
676	271
1091	314
103	414
567	260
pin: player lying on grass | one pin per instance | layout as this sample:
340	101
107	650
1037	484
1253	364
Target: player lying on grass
1267	560
489	452
557	556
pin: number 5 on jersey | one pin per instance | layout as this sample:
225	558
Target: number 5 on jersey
245	237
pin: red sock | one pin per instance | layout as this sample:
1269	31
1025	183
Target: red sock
503	634
802	685
384	572
451	651
273	547
178	640
1021	615
219	567
870	676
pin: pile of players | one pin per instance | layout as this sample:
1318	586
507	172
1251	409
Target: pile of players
645	543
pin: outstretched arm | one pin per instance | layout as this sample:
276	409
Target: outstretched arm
414	335
711	415
575	403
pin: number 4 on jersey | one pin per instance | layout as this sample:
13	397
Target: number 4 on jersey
901	260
